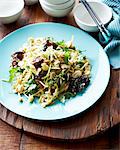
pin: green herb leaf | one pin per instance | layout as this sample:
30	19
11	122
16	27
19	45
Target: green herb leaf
68	95
61	43
12	73
32	86
31	81
50	82
80	63
67	56
66	49
50	38
33	91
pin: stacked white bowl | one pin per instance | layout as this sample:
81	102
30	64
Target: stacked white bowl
57	8
10	10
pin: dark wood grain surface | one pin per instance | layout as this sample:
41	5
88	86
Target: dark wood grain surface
102	116
13	139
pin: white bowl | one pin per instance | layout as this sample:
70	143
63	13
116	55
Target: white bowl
60	6
56	2
31	2
84	20
57	12
10	10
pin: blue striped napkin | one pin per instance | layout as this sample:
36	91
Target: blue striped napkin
113	48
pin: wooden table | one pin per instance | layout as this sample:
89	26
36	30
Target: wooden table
107	107
13	139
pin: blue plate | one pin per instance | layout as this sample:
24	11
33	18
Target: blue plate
99	75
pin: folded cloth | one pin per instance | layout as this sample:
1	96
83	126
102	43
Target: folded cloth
113	48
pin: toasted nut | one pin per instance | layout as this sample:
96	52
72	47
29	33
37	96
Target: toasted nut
77	74
45	67
87	72
31	98
20	99
64	66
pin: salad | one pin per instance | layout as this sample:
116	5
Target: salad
49	70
